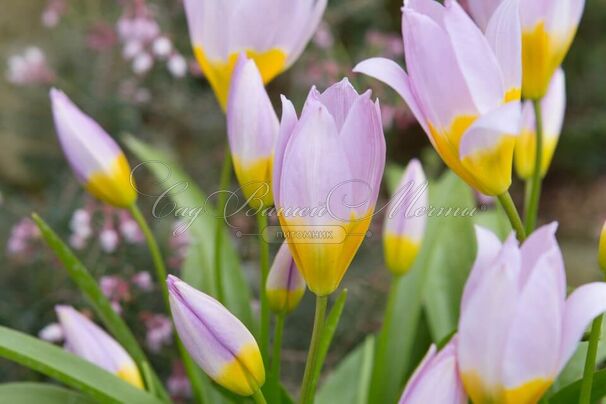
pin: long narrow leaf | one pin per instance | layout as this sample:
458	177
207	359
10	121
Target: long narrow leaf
28	393
69	369
570	393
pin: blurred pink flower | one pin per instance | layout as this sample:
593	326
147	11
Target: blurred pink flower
52	332
115	288
178	384
21	236
29	68
129	228
323	37
101	37
52	13
159	331
143	281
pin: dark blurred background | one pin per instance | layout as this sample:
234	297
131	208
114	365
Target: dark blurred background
128	63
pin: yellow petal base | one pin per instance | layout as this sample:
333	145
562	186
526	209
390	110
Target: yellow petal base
527	393
492	168
524	155
218	72
130	374
113	187
542	53
324	262
400	253
245	374
255	181
284	301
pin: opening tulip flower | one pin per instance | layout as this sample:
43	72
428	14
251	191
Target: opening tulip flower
517	329
405	223
436	379
462	86
272	32
87	340
285	285
94	156
548	28
219	343
252	129
327	174
553	107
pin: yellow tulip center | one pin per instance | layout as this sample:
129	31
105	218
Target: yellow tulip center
113	186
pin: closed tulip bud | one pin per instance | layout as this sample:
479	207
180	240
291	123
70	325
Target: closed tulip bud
252	129
88	341
462	86
548	29
327	173
94	156
272	32
602	249
218	342
436	379
517	329
405	220
553	106
285	286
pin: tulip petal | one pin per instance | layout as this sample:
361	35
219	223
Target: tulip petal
482	10
532	349
287	124
488	249
390	73
338	99
475	58
493	301
542	243
307	28
504	34
486	149
582	306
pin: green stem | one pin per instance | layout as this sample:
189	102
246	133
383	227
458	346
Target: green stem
275	358
264	265
513	215
259	397
307	389
221	199
592	350
190	367
534	194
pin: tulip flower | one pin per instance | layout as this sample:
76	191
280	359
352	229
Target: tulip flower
462	86
252	129
548	29
517	329
405	220
332	158
436	379
272	32
602	249
285	286
553	106
94	156
88	341
218	342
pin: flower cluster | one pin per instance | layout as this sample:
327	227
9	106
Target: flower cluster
29	68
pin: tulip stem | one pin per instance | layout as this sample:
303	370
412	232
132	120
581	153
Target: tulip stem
221	200
534	194
264	264
307	389
275	358
592	350
512	213
190	368
259	397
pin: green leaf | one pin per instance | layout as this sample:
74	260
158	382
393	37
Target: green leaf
198	266
350	380
28	393
395	346
495	220
69	369
570	393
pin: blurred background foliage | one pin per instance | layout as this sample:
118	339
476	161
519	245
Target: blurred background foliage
157	93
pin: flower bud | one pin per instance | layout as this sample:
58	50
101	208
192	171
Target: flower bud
285	286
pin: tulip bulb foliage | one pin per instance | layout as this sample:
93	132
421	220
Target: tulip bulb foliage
462	85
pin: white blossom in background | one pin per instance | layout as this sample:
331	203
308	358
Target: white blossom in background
109	240
177	65
29	68
162	47
52	332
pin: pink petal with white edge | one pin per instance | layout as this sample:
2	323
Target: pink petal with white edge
532	350
582	306
504	34
488	316
475	57
542	243
488	247
390	73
